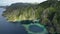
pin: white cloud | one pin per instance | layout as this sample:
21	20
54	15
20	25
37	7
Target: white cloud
8	2
29	1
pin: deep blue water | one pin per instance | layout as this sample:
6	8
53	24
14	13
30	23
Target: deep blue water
10	28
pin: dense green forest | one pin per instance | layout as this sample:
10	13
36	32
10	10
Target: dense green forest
23	11
48	12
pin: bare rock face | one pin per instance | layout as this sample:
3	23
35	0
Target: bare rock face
44	16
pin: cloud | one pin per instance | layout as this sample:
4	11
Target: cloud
8	2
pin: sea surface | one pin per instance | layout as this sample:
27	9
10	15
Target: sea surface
10	28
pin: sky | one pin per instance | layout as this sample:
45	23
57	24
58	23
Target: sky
9	2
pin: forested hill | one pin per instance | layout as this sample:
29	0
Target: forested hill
21	5
47	4
19	10
25	8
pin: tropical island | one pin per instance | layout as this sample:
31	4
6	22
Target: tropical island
48	12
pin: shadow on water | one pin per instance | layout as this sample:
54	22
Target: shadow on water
26	22
23	22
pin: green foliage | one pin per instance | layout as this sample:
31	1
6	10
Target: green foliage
26	12
21	11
